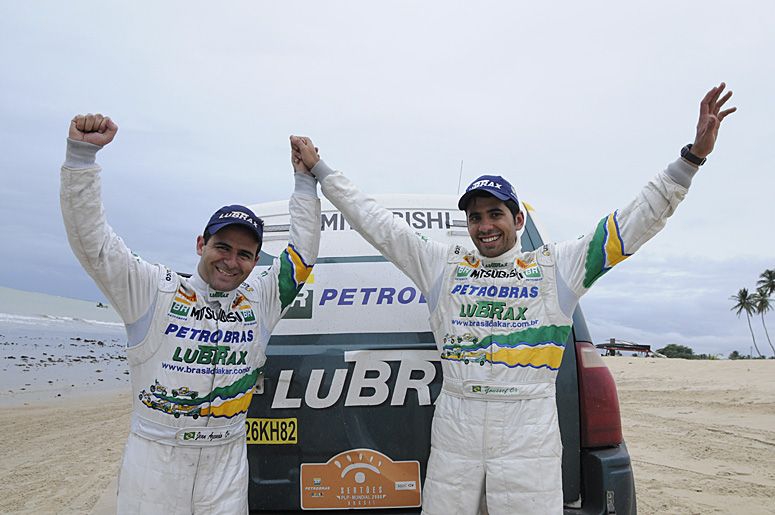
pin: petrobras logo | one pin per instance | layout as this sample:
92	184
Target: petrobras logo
533	273
181	304
205	336
463	272
371	296
530	270
466	267
241	305
502	292
302	305
179	310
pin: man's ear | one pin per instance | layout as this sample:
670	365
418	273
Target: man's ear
519	220
200	243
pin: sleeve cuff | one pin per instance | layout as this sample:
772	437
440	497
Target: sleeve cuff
305	184
321	170
80	155
682	172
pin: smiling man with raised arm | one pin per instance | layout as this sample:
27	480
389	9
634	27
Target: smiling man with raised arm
195	346
495	425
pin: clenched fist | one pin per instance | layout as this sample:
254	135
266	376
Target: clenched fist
93	128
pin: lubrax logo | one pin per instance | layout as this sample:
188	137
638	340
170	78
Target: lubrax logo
210	355
239	215
496	274
485	184
492	309
496	264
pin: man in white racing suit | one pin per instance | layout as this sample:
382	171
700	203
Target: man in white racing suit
501	318
195	346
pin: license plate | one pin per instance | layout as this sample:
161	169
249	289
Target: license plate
272	431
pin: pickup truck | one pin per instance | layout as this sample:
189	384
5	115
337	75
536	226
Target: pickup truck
341	417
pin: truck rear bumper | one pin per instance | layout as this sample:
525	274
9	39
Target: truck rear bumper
608	485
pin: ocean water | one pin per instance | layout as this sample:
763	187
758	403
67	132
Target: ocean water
53	347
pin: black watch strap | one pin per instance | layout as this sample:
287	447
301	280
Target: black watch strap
686	153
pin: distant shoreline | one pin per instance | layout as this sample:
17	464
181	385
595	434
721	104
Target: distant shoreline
24	303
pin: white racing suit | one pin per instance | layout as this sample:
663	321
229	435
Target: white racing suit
194	354
500	326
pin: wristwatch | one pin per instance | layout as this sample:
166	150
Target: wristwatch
686	153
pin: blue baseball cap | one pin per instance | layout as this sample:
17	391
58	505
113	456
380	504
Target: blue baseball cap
495	185
236	214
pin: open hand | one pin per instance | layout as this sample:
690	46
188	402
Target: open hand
710	120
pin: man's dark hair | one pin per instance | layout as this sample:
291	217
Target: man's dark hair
510	204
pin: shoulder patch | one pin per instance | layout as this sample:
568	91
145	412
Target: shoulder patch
248	291
168	280
455	253
545	255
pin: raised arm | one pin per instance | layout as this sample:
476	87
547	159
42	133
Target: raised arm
290	270
420	259
620	234
127	281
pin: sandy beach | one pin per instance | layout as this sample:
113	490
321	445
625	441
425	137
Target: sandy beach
701	435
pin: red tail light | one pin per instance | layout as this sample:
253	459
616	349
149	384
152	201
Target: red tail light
601	424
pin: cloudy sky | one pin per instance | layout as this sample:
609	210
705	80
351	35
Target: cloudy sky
577	103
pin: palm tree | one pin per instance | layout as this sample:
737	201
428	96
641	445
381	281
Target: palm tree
767	281
745	303
761	304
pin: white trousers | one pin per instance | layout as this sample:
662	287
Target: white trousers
171	480
510	451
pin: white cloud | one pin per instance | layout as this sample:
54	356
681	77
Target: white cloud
579	104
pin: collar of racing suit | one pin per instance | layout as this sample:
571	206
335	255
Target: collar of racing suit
223	298
509	255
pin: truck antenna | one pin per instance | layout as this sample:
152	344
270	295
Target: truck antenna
460	177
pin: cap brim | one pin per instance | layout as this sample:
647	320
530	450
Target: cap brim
463	202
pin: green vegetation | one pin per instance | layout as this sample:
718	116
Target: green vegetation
674	350
756	303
